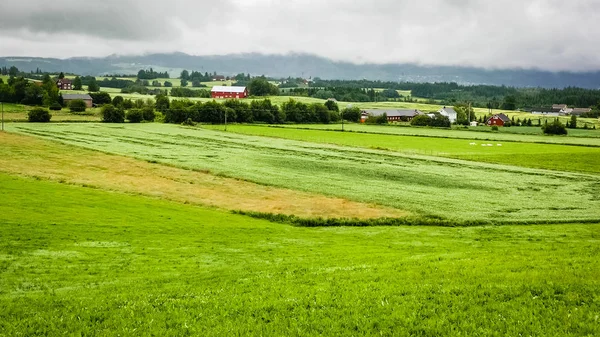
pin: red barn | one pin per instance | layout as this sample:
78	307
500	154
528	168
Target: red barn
229	92
498	120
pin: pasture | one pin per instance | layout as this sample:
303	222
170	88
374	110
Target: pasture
84	261
433	188
129	229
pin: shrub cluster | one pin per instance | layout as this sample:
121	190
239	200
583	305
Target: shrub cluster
554	128
112	114
39	115
77	105
436	121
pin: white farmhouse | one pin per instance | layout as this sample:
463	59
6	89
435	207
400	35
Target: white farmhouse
450	113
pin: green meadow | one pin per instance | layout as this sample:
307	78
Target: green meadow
457	191
82	261
166	230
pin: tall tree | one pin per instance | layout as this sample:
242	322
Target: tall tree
93	86
77	85
61	75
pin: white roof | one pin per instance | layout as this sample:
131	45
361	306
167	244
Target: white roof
221	88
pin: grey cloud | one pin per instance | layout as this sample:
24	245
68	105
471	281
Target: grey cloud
546	34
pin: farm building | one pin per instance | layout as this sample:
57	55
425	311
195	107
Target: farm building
393	115
498	120
580	111
229	92
548	111
85	97
64	84
450	113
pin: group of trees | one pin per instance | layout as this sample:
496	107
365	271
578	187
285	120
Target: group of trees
151	74
185	92
436	121
20	90
257	111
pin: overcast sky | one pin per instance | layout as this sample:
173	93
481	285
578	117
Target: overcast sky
544	34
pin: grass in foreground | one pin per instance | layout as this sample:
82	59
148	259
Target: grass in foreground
427	186
33	157
86	262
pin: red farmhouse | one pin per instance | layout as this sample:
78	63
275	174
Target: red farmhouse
498	120
229	92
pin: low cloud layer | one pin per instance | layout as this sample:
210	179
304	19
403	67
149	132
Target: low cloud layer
542	34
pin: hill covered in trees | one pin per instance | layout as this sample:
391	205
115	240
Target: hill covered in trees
303	65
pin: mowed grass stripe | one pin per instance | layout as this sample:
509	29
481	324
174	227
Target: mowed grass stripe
456	190
80	261
514	134
28	156
544	156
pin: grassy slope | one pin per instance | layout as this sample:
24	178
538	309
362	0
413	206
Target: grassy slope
428	185
545	156
87	262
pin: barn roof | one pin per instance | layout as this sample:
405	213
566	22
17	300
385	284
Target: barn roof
76	96
392	112
577	111
503	117
221	88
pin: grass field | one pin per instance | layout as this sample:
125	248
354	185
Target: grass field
545	156
81	261
527	134
432	187
32	157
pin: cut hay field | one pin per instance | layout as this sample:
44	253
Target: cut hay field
455	191
81	261
33	157
527	134
545	156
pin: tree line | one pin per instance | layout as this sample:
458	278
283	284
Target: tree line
257	111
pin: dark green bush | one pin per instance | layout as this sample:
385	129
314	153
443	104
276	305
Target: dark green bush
554	128
421	120
149	114
494	127
39	115
77	105
135	115
56	106
111	114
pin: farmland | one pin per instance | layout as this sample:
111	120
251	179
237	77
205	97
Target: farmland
133	229
585	158
158	267
430	186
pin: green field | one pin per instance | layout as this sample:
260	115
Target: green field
80	261
513	134
138	230
433	187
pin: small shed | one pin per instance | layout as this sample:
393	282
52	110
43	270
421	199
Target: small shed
85	97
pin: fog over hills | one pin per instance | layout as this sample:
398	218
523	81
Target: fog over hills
305	65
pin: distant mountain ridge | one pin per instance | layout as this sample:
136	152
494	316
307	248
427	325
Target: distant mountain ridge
304	65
